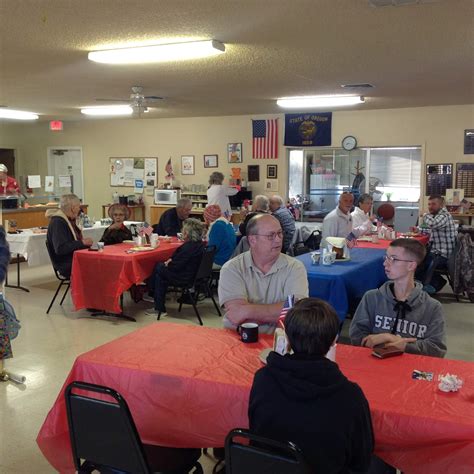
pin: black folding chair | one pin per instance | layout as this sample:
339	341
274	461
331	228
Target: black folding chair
200	285
104	437
62	279
259	455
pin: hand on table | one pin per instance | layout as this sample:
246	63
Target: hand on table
87	241
236	311
390	340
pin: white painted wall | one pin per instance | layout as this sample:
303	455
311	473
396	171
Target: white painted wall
439	130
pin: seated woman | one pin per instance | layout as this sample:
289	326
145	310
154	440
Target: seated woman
221	234
306	399
260	204
180	269
116	233
361	216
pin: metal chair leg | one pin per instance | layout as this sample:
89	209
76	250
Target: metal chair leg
65	293
54	297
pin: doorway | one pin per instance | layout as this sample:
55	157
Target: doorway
7	158
65	164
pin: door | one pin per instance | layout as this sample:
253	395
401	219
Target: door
64	162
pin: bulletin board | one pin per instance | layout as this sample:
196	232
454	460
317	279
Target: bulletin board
439	178
465	178
127	171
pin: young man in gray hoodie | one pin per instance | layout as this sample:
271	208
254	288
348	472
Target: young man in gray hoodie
400	314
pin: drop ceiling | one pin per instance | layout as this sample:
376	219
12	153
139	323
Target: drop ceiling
415	55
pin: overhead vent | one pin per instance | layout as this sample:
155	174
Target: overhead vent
364	85
398	3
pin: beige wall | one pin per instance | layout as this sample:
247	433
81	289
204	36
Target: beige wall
439	130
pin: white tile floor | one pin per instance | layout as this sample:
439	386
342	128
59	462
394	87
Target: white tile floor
48	345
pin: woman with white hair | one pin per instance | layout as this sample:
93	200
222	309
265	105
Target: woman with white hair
8	185
218	193
180	269
260	205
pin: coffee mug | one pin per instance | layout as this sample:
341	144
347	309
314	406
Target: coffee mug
375	239
328	258
248	332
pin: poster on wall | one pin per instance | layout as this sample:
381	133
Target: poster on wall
125	170
308	129
151	177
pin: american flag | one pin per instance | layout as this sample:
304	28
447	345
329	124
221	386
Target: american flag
265	138
146	229
289	303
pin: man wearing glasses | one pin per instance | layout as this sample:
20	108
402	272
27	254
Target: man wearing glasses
254	285
400	314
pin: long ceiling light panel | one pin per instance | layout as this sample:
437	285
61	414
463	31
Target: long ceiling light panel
158	53
319	101
17	114
110	110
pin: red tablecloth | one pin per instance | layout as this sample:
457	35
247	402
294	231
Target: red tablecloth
384	243
99	278
187	386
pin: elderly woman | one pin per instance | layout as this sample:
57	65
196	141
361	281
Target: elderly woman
221	234
361	217
219	193
64	236
260	204
180	269
116	233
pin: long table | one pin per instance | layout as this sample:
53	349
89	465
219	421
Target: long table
187	386
99	278
345	281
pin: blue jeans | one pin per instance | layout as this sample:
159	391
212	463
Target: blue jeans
426	272
158	285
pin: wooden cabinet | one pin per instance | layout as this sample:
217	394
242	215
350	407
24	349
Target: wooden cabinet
31	217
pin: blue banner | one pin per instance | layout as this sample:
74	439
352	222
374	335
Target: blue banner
308	129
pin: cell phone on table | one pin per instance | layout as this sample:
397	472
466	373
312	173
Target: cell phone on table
384	352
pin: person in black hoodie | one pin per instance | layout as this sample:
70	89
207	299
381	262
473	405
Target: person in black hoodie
305	398
180	268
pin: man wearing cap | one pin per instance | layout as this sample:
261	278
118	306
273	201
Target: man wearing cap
221	234
8	185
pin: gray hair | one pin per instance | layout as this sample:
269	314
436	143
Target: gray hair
254	223
261	203
364	198
67	201
193	229
216	178
183	202
277	199
3	169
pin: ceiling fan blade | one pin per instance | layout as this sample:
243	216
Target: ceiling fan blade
153	97
113	100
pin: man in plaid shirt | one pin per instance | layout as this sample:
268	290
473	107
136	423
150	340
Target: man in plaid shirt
442	242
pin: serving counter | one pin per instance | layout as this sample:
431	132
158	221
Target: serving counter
31	217
157	210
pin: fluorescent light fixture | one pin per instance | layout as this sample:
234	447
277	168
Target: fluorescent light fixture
319	101
158	52
17	114
108	110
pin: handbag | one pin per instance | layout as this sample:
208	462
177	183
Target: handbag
311	244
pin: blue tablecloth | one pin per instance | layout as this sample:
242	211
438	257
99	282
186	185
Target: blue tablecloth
342	282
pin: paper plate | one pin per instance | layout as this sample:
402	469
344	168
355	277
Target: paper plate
128	242
264	354
140	249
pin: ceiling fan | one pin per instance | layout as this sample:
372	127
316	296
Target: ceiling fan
139	102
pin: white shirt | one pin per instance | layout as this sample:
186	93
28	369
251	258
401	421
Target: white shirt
336	224
218	194
359	217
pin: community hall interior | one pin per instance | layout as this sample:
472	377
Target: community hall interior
408	62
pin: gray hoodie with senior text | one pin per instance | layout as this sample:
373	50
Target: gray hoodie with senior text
424	319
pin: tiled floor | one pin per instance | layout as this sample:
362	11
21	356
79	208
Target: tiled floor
48	345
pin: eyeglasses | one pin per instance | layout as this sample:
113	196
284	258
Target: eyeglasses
273	235
390	259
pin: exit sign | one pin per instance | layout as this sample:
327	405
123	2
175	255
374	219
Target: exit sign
55	125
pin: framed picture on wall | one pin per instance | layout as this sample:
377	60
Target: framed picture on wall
272	171
187	164
253	172
234	153
211	161
271	185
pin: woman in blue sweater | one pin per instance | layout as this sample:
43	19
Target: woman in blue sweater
221	234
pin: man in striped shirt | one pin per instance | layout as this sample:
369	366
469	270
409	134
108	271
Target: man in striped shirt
442	242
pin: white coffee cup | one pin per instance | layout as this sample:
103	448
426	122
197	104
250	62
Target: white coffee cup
331	355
